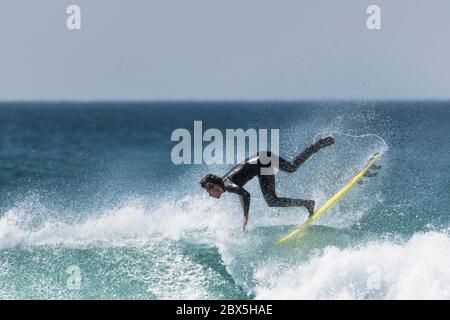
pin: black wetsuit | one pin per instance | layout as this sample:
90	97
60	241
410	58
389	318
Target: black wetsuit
251	167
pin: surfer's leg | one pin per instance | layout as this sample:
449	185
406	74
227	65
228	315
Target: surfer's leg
291	167
267	184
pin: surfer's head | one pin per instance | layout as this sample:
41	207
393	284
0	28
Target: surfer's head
213	185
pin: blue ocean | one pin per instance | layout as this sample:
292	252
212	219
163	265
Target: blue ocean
92	206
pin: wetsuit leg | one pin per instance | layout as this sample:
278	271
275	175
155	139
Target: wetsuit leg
267	184
291	167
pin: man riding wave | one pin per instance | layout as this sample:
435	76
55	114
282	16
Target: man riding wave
254	166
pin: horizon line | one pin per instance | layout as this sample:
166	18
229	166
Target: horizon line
226	100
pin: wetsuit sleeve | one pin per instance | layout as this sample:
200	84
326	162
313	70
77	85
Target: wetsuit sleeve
243	194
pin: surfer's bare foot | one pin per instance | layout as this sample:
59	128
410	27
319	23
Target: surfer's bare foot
310	204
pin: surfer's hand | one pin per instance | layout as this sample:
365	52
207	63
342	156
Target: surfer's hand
244	223
324	142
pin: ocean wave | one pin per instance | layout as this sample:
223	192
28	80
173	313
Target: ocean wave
132	221
170	234
138	252
196	217
415	269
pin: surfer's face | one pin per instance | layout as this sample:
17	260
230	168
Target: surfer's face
214	190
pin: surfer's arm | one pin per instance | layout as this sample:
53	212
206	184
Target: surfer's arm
245	202
244	197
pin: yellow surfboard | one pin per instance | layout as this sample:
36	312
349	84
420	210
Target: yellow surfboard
332	200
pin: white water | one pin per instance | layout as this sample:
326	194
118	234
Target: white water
414	268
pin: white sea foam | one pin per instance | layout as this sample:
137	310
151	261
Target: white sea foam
197	217
416	269
165	269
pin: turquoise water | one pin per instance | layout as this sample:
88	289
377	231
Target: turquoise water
91	186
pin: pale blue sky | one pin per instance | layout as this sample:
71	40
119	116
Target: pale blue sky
224	50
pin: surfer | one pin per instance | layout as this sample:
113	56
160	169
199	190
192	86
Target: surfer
251	167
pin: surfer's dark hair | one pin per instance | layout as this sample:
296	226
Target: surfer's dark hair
210	179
